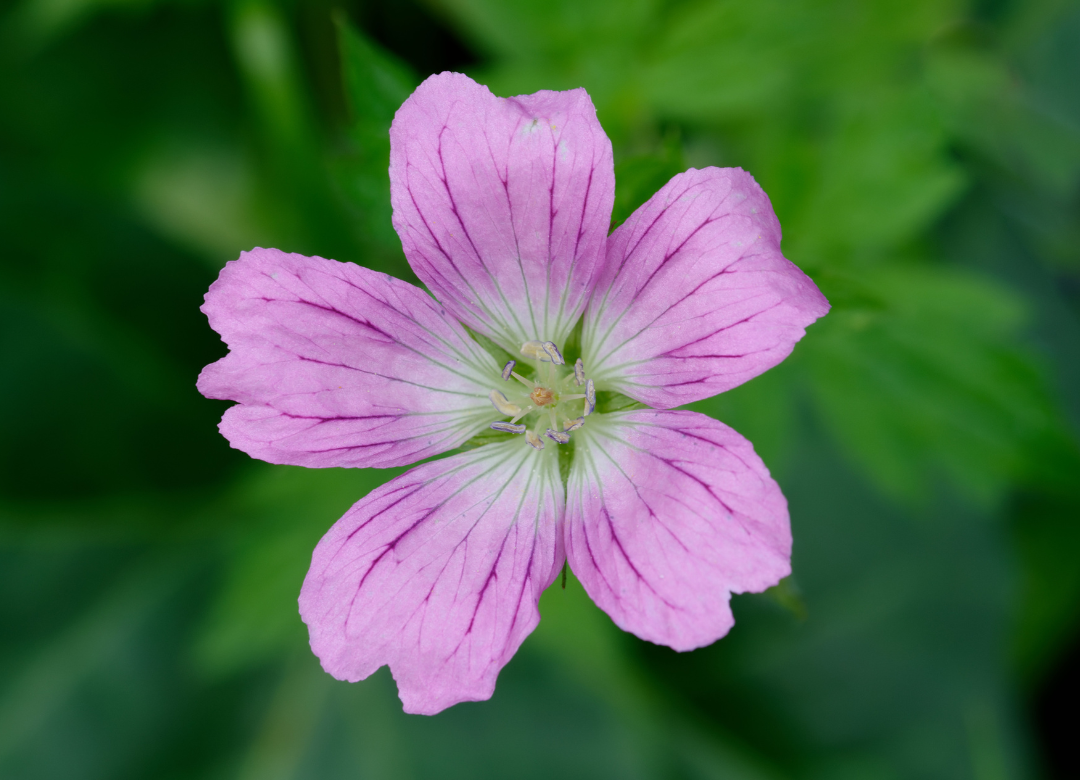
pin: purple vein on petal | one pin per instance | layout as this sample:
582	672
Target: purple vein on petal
667	514
438	574
385	371
696	297
525	185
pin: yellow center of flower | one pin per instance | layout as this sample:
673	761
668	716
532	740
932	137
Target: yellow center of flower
541	396
548	401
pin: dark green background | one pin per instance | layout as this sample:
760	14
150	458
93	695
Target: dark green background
924	159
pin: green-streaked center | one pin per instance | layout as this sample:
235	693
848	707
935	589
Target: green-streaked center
549	406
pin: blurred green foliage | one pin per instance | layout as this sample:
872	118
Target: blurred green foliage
924	159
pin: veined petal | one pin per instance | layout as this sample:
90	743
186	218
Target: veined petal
668	514
438	574
336	365
503	205
696	297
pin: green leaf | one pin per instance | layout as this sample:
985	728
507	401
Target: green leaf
994	113
277	518
376	84
884	175
532	29
721	58
638	178
918	372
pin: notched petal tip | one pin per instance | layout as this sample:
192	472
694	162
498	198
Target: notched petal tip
419	697
697	298
502	204
675	515
438	574
337	365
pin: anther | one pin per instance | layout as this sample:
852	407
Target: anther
572	425
553	353
590	398
506	427
557	436
547	396
503	405
536	351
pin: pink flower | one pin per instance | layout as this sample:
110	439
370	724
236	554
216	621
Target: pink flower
503	208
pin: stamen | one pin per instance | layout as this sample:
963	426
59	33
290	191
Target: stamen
553	353
506	427
536	351
503	405
547	396
572	425
557	436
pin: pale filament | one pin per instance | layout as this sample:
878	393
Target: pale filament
545	396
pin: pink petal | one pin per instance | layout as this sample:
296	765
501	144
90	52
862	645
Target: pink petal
503	205
336	365
696	297
438	574
668	513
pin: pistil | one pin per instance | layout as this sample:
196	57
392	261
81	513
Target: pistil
546	397
541	396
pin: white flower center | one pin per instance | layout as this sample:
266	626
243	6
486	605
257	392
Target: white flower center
546	406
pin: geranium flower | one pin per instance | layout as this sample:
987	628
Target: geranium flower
503	207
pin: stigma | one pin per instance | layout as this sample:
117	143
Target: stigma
541	396
551	403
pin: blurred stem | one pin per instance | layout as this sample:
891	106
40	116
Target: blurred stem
267	60
302	210
286	731
985	739
46	683
576	633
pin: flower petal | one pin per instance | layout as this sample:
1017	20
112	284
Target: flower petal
668	513
503	205
336	365
696	297
438	574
